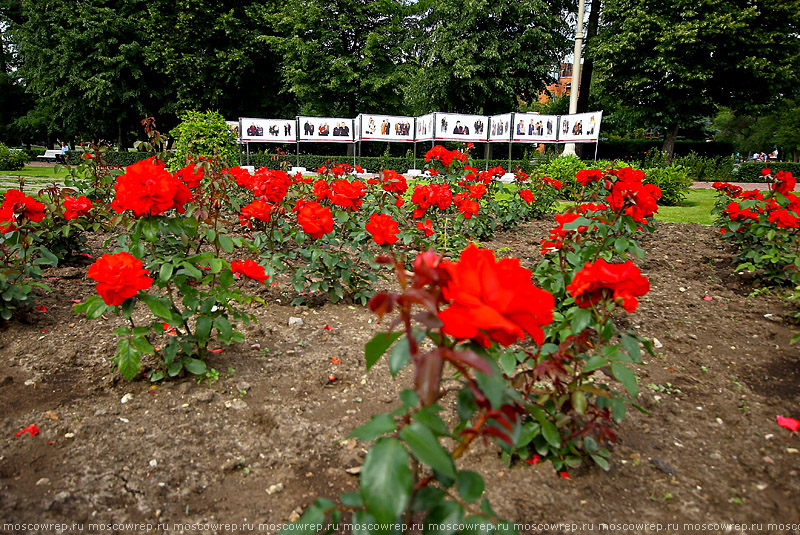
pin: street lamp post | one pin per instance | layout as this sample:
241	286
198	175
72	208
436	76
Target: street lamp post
569	148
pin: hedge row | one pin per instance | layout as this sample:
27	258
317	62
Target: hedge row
751	171
637	149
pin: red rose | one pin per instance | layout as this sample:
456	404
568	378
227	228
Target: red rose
394	182
270	185
147	188
250	269
601	280
784	182
553	182
76	207
17	204
119	276
735	213
382	228
322	191
466	206
477	191
424	197
348	194
426	227
242	177
527	195
258	209
628	194
443	195
191	175
493	300
784	219
315	219
587	176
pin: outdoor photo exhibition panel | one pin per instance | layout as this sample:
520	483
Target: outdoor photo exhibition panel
458	127
234	127
385	128
267	130
425	128
500	129
328	129
580	128
535	128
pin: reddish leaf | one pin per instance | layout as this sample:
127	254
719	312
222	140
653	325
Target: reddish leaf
495	432
470	358
428	374
382	303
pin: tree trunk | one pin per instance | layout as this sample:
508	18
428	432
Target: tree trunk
669	141
585	84
120	137
794	155
487	152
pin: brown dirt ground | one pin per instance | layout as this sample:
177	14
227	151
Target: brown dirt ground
261	443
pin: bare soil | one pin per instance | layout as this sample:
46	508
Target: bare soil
259	444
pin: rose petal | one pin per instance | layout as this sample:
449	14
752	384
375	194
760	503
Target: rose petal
32	430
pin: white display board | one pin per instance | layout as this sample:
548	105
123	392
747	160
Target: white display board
535	128
267	130
459	127
328	129
425	127
500	127
580	127
371	127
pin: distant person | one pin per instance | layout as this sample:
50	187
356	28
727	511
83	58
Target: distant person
62	158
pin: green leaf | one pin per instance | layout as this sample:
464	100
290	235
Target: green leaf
508	363
310	523
375	348
549	430
477	525
425	447
165	273
195	367
602	462
427	498
223	327
191	270
443	519
626	377
579	401
581	319
225	242
595	363
351	499
157	306
631	345
427	416
470	485
128	359
399	356
94	307
386	480
203	328
492	387
380	424
216	265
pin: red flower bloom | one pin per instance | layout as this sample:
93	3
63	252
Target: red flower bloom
426	227
191	175
784	219
76	207
789	423
493	300
258	209
322	191
735	213
394	182
601	280
382	228
270	185
443	195
315	219
17	204
399	202
638	200
553	182
527	195
249	269
348	194
587	176
147	188
433	172
119	276
728	189
445	156
424	197
784	182
466	206
242	177
477	191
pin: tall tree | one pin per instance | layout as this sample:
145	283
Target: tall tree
482	55
343	57
674	61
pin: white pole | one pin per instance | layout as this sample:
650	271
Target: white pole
569	148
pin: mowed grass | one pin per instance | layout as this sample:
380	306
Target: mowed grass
36	172
696	208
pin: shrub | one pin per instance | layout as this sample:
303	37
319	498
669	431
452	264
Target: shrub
674	182
111	158
563	169
203	134
12	159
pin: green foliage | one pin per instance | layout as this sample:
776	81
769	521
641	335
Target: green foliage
110	158
644	151
481	56
203	134
11	159
751	171
774	128
674	182
564	169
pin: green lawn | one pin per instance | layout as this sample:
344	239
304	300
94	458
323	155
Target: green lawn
35	172
695	209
